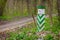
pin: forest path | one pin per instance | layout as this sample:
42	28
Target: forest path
16	24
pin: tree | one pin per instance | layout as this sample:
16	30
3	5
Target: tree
22	6
35	4
42	2
28	5
2	6
50	10
34	12
58	7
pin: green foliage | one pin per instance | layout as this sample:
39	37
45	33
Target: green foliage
26	33
47	24
22	36
16	14
55	29
48	37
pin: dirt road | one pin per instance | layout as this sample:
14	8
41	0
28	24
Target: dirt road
15	24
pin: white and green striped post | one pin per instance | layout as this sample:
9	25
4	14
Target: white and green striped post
41	18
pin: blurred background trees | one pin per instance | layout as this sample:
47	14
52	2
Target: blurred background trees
17	9
58	7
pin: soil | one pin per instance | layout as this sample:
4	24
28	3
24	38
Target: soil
3	22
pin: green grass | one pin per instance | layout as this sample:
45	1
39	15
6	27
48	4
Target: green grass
26	33
14	14
55	29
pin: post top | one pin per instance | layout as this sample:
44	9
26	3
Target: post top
41	7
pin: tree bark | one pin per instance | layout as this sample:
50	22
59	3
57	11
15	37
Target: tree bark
35	9
2	6
28	6
50	10
58	7
42	2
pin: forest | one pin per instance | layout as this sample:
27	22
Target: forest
18	19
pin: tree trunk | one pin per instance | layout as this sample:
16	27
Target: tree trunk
2	6
58	6
50	10
42	2
28	6
35	9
